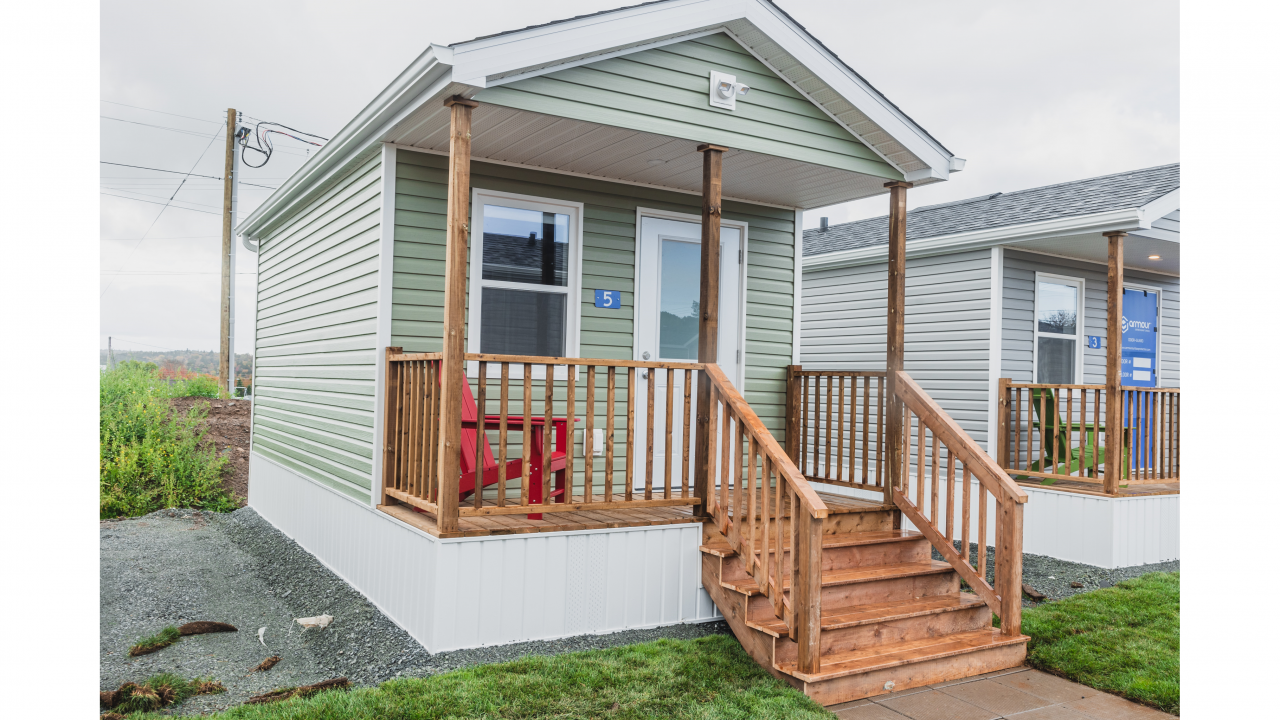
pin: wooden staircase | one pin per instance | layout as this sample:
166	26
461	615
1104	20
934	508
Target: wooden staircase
826	591
892	618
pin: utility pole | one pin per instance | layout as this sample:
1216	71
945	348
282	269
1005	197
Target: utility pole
226	331
111	357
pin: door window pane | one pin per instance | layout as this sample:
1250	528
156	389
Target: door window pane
678	300
1055	360
1056	308
520	322
526	246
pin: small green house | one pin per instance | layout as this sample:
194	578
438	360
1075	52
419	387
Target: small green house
511	317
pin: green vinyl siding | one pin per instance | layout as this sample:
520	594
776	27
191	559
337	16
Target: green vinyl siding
608	262
316	343
665	91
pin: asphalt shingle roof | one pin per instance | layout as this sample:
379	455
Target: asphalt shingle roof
1080	197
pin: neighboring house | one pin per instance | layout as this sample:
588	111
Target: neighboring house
1021	277
559	266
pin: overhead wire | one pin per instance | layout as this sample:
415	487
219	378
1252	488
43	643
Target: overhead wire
262	140
152	202
166	207
162	112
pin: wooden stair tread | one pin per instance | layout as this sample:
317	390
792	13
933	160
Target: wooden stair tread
904	653
722	548
870	573
854	615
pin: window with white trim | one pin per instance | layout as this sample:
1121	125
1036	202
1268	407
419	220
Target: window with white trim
1059	323
524	276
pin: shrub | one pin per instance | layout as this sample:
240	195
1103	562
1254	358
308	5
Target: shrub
149	457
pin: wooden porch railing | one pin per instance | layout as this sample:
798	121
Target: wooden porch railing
1059	432
937	442
841	426
758	488
534	423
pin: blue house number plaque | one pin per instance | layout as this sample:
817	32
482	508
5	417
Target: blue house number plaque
611	299
1095	342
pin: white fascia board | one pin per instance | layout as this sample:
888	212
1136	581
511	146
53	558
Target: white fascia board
1126	219
803	47
476	61
422	74
1159	207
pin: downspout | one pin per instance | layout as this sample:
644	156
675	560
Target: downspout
249	244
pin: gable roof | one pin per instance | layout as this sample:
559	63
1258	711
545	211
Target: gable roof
1078	198
771	4
413	99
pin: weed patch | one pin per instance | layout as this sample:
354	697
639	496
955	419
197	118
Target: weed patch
156	692
160	640
150	458
1121	640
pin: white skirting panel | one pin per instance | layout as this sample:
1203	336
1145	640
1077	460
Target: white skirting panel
1100	531
470	592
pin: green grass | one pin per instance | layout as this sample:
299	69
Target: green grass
1121	640
149	457
152	643
710	677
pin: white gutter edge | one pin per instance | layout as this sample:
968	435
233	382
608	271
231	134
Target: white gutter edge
1127	219
1160	207
352	139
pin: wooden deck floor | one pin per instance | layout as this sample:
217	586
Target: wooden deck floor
1086	488
550	522
586	520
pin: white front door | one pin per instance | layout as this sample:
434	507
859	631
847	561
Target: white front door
666	305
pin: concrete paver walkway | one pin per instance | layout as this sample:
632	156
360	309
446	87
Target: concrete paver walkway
1017	694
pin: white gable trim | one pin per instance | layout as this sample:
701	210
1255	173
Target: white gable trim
1127	219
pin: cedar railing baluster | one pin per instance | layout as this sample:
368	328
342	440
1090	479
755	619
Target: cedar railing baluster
589	436
526	440
503	399
610	390
481	440
670	431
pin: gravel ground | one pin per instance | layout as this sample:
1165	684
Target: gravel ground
1053	577
178	566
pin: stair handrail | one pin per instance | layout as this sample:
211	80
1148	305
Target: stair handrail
801	608
1005	597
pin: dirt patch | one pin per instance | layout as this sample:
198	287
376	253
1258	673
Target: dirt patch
227	425
202	627
302	692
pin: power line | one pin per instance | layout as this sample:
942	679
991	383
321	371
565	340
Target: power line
175	237
135	342
162	112
175	172
189	202
151	202
159	127
167	272
166	207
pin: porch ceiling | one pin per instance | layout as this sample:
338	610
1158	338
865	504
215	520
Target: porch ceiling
1092	248
590	149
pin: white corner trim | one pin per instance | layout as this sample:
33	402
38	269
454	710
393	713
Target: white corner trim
1159	207
1126	219
996	342
386	265
797	287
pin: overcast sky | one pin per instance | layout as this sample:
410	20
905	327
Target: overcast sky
1029	93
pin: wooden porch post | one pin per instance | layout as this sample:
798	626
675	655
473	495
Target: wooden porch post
896	335
453	371
708	317
1115	329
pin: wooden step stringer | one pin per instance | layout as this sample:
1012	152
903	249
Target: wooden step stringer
892	617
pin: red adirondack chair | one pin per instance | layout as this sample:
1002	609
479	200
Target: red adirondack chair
489	474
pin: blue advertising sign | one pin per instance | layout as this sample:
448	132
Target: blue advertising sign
1139	338
611	299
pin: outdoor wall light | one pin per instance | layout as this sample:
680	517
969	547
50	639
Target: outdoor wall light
725	90
1153	257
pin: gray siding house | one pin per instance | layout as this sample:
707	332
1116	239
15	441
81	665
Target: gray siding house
979	272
